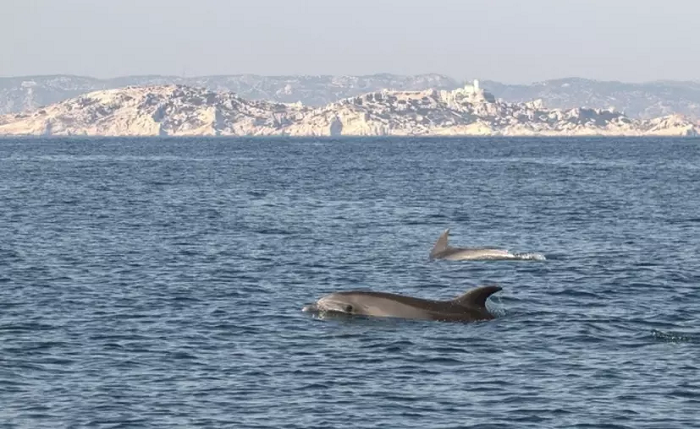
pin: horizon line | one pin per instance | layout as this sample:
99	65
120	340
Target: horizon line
155	75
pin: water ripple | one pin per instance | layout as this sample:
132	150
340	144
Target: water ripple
159	282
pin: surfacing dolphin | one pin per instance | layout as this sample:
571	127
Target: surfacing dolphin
468	307
442	250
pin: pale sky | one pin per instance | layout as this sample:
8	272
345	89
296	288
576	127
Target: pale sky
514	41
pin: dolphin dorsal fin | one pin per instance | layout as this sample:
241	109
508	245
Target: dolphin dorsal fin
441	243
477	297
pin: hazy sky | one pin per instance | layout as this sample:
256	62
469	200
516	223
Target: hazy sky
506	40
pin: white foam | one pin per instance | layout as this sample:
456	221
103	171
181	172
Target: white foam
531	256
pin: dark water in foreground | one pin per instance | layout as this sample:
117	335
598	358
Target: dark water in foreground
158	283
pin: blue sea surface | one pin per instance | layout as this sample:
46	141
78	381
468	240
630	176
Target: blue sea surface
159	282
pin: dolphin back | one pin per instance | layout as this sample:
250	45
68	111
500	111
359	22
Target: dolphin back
441	244
477	297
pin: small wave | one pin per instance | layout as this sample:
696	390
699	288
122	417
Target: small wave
672	337
118	158
442	360
530	256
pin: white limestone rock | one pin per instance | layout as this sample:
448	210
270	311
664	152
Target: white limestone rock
185	111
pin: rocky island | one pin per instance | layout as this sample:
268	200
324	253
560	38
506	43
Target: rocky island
177	110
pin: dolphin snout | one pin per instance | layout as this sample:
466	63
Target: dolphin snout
310	308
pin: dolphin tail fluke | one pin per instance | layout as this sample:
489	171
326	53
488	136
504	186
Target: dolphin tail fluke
477	297
440	244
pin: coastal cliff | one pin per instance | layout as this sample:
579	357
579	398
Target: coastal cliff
645	100
177	110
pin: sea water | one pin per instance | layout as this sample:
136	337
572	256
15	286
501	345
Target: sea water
159	282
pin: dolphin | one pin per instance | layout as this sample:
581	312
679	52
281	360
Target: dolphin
467	307
442	250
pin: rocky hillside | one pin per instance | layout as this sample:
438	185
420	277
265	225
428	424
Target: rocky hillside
152	111
180	111
637	100
642	100
19	94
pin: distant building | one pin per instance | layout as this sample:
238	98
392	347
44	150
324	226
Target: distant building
472	88
471	92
